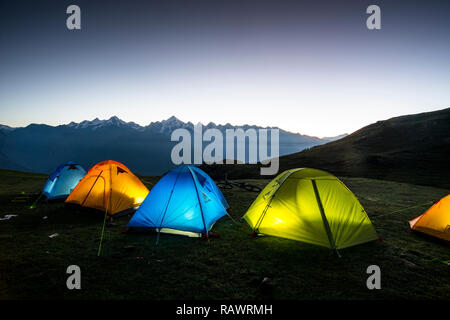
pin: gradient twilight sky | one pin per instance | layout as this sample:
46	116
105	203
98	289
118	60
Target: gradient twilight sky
305	66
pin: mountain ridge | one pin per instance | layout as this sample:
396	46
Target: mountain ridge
145	149
170	123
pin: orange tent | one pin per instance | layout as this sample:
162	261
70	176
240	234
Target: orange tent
110	186
436	221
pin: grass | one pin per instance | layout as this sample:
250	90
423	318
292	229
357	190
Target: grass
33	266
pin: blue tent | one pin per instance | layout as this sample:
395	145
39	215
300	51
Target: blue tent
63	180
185	201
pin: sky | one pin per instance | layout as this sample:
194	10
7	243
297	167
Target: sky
311	67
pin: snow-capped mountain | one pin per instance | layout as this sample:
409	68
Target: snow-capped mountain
145	149
97	123
164	126
169	125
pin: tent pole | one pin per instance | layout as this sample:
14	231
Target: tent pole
199	202
110	188
167	205
82	203
261	218
324	217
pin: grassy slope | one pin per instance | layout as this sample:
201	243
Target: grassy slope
411	149
32	265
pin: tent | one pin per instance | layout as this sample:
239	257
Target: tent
185	201
63	180
109	186
312	206
435	221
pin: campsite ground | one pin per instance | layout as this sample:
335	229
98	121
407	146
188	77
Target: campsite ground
33	266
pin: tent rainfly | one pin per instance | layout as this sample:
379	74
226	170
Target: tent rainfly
311	206
435	221
109	186
185	201
63	180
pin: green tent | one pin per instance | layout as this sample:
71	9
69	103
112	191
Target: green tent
312	206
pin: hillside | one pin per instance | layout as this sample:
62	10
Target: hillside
413	148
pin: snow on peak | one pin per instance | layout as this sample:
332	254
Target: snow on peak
97	123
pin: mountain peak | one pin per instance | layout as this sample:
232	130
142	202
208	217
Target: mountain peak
173	118
114	121
97	123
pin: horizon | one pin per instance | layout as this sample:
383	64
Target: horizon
186	122
217	124
302	66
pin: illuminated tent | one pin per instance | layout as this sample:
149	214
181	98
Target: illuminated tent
63	180
312	206
185	201
435	221
109	186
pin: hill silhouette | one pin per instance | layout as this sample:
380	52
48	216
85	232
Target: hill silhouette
412	148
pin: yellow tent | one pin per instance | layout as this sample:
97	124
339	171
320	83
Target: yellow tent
110	186
436	221
312	206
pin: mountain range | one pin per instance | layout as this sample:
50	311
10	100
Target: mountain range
144	149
